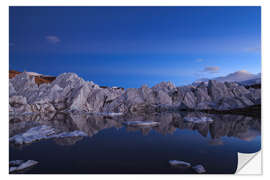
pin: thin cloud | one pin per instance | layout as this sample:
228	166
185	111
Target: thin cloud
199	60
211	69
253	49
53	39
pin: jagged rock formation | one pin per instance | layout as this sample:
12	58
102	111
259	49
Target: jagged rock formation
39	78
68	92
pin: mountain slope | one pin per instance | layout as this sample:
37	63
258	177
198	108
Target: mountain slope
238	76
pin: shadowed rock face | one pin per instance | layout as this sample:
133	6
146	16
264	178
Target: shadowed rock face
68	92
242	127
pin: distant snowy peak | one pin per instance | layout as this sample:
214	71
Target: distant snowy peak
33	74
37	74
238	76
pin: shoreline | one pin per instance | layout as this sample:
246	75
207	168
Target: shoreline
254	111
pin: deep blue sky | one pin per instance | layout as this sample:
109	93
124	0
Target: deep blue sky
131	46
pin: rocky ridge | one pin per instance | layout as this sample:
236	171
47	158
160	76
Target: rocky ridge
69	93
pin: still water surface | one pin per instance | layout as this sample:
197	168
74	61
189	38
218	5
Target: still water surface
112	147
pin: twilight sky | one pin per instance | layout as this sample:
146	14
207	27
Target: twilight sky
131	46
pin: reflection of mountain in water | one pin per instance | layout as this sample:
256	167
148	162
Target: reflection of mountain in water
242	127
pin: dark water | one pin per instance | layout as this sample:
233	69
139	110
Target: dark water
113	148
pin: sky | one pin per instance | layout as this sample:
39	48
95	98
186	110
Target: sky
132	46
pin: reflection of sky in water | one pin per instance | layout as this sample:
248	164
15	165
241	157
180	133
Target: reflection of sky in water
134	150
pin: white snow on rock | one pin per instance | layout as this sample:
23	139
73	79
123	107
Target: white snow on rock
18	165
111	114
141	123
33	74
42	132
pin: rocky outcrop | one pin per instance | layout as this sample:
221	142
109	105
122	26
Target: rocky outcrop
165	96
39	78
217	96
68	92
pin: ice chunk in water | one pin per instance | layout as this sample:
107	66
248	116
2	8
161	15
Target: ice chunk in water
21	165
42	132
199	169
141	123
177	163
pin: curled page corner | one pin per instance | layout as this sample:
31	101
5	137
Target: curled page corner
249	163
